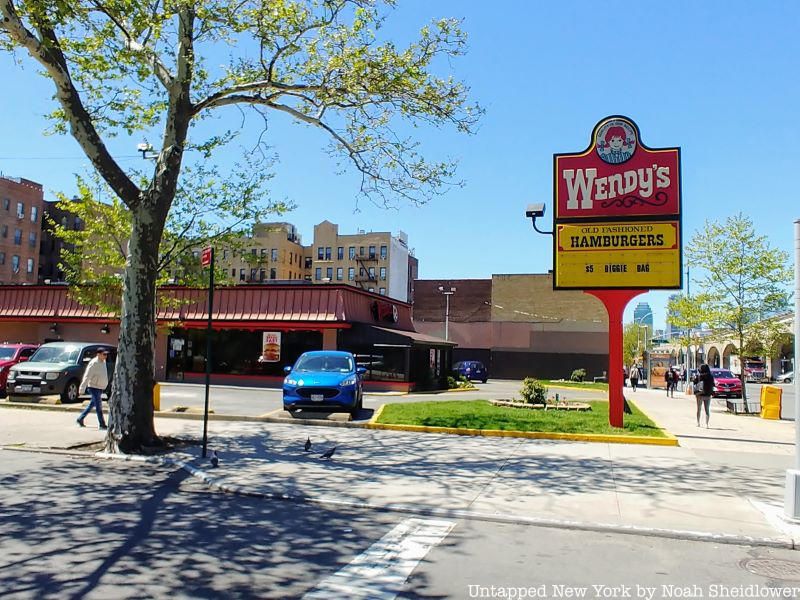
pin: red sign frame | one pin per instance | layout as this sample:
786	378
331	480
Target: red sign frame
205	256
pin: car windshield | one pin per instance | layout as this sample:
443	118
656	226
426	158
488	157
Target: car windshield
329	364
723	374
7	353
458	365
56	354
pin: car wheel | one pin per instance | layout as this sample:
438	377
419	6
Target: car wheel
484	380
787	380
70	393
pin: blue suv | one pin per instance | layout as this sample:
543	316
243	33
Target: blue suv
471	369
324	379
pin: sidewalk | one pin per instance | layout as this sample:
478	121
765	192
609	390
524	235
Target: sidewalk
678	492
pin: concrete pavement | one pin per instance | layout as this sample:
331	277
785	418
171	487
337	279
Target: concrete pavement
715	486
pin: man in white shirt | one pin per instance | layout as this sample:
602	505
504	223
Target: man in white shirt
95	381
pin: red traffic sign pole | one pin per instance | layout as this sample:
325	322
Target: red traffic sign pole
207	260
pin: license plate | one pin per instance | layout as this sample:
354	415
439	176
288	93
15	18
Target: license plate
317	397
26	388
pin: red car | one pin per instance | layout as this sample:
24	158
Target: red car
11	354
726	384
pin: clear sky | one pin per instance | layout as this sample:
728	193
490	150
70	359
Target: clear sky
719	79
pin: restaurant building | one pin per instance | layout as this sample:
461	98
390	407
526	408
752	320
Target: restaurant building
257	330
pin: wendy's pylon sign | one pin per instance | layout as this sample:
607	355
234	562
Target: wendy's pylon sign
617	213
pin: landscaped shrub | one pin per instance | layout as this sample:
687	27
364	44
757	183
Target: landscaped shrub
578	375
451	382
533	391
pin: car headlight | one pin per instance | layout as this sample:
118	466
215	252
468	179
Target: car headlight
290	381
12	375
52	376
349	381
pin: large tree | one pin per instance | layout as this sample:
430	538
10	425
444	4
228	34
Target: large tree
122	67
742	279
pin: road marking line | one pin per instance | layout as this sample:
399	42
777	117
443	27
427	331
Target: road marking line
381	570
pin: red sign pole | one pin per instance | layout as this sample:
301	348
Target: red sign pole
615	302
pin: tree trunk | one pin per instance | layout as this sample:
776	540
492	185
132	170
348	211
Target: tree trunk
131	405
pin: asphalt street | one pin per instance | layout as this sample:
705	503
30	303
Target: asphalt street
77	527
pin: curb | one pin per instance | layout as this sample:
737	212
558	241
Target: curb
669	440
676	534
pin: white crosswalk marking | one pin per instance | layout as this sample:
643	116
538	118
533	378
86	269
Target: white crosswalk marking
381	570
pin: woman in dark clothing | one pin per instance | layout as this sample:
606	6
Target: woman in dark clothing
703	387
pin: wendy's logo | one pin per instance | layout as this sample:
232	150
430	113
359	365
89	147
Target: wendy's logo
616	141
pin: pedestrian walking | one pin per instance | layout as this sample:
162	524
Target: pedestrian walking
95	381
669	380
703	383
634	377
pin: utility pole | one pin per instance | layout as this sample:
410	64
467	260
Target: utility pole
447	291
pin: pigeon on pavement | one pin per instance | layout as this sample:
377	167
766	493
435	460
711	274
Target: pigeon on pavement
307	446
214	459
328	453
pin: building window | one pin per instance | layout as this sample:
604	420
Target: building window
4	231
361	250
273	273
262	274
372	251
382	291
263	253
30	266
361	271
32	238
78	224
329	273
34	213
274	254
351	274
318	273
233	273
224	253
351	252
241	274
340	253
372	272
2	258
372	289
384	251
6	203
320	253
15	263
383	273
328	253
253	274
254	251
339	273
308	262
20	210
18	237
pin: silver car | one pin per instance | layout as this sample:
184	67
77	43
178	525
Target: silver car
54	369
787	377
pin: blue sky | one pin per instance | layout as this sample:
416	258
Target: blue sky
718	79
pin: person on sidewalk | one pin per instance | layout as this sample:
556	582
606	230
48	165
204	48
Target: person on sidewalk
669	380
703	384
634	377
95	381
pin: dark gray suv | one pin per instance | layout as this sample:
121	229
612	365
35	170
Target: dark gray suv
56	369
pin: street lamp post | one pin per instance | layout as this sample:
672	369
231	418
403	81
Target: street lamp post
647	361
447	291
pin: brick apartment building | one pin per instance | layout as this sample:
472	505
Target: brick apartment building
21	203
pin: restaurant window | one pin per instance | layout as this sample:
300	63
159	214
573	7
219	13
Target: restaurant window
351	252
274	254
339	273
320	253
329	273
327	253
318	273
351	273
372	251
340	253
383	273
384	251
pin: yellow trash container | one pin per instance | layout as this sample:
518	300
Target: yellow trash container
157	398
771	402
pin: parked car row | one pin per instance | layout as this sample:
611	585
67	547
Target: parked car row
52	369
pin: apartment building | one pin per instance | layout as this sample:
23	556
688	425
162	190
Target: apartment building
20	229
51	245
273	252
378	262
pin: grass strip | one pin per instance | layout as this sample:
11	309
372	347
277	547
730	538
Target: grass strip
480	414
